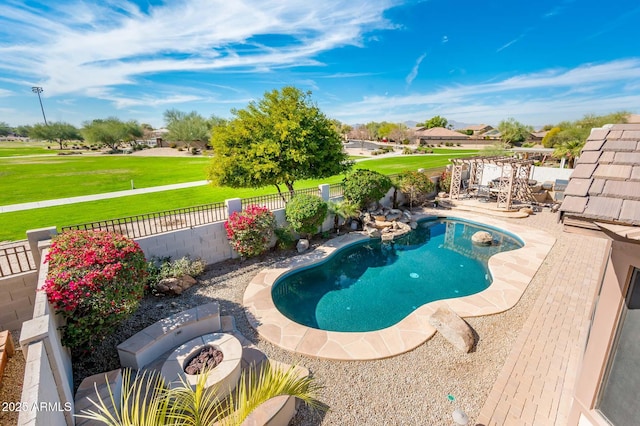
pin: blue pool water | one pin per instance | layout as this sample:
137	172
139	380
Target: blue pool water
373	285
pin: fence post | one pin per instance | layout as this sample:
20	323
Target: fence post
36	235
233	205
324	191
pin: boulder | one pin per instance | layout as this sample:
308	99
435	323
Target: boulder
380	224
388	237
482	238
302	245
527	210
453	328
372	231
175	286
413	224
391	216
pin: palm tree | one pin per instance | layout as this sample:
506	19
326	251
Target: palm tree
569	150
342	210
146	400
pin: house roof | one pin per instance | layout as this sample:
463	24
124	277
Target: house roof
604	187
440	132
541	134
477	127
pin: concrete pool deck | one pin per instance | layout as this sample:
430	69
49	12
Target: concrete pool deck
512	272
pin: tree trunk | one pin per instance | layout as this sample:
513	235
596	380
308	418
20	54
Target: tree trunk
280	193
290	188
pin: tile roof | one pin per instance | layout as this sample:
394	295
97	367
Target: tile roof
605	184
440	132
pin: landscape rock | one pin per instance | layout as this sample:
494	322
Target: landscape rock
413	224
482	238
527	210
175	286
302	245
453	328
391	216
372	231
380	224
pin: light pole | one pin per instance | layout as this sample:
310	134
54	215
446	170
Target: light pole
39	90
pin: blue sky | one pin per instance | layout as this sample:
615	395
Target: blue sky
364	60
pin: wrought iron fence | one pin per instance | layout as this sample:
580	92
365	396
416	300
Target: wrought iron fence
276	201
16	258
336	190
155	223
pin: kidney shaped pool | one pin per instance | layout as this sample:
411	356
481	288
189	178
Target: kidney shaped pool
373	285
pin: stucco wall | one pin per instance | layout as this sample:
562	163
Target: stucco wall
17	296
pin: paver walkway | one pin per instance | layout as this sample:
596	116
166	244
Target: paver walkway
536	383
94	197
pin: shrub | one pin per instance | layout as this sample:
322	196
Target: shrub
173	145
415	185
286	238
363	187
95	281
445	181
160	269
251	230
306	213
407	151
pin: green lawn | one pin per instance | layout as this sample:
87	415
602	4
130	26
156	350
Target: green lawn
44	178
15	224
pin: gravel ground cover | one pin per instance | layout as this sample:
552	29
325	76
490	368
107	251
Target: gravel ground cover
410	389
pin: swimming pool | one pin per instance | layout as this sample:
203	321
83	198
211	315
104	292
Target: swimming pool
373	285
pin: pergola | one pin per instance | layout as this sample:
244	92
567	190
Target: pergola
513	185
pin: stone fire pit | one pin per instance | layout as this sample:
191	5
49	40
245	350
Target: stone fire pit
224	376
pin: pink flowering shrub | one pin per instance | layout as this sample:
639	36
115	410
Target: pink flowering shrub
250	231
96	280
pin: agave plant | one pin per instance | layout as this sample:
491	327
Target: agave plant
146	400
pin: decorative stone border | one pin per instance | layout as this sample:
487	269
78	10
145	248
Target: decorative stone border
511	271
226	374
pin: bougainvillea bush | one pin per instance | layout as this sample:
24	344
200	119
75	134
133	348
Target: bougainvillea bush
251	230
96	280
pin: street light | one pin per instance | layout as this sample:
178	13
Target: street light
39	90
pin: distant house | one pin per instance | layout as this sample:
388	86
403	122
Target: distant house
537	136
478	129
493	134
438	135
603	199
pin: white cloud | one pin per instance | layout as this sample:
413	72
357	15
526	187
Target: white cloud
4	93
538	97
83	48
445	39
414	71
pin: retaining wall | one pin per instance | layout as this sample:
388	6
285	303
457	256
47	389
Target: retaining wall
17	296
47	391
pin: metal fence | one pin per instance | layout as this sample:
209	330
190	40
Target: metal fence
276	201
155	223
16	258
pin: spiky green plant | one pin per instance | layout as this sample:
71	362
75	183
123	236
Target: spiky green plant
147	401
266	382
143	402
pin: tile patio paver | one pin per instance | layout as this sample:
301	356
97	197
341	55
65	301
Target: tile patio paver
535	385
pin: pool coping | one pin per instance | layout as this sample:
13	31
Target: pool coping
512	272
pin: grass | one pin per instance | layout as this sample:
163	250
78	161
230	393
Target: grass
43	178
15	224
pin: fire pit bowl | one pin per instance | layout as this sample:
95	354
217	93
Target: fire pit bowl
224	376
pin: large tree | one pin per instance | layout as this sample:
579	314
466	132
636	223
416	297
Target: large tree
5	129
187	127
277	140
55	131
111	132
435	121
513	131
